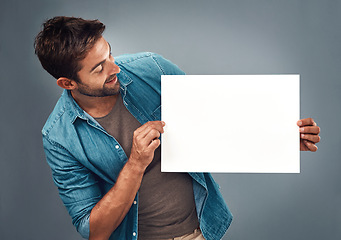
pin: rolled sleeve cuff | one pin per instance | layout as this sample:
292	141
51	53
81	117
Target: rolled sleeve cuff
84	226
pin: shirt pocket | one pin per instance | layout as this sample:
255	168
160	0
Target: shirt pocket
156	114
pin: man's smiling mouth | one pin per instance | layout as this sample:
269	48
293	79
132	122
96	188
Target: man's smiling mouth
112	79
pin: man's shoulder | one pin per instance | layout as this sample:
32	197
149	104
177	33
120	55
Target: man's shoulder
149	62
130	58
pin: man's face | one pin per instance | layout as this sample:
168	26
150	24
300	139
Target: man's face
98	74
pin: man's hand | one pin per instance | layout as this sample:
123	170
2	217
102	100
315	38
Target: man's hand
145	141
309	134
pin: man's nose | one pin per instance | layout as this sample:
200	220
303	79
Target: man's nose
114	68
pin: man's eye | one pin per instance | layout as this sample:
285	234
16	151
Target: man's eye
100	69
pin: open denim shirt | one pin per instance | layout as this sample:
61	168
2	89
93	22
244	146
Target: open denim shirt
86	160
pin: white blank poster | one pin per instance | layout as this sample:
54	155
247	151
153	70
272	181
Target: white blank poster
230	123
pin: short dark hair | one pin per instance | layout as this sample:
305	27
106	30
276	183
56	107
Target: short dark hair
63	43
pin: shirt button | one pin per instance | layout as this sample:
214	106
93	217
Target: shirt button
117	147
135	202
134	234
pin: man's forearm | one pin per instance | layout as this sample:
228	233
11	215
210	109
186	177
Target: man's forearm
109	212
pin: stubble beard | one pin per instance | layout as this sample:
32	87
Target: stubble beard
105	91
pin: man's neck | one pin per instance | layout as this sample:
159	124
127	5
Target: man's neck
95	106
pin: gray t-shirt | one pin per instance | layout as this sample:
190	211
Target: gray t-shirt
166	202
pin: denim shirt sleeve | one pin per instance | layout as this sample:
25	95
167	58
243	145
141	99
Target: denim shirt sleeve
77	186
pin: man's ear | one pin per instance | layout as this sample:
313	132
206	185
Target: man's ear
66	83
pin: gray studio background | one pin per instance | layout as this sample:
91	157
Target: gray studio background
201	37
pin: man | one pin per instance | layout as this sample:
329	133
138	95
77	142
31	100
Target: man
102	142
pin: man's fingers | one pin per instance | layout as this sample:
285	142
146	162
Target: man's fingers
151	132
311	137
150	136
312	147
154	144
154	124
310	129
306	122
309	134
145	128
144	136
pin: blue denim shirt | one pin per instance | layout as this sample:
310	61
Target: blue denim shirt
86	160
